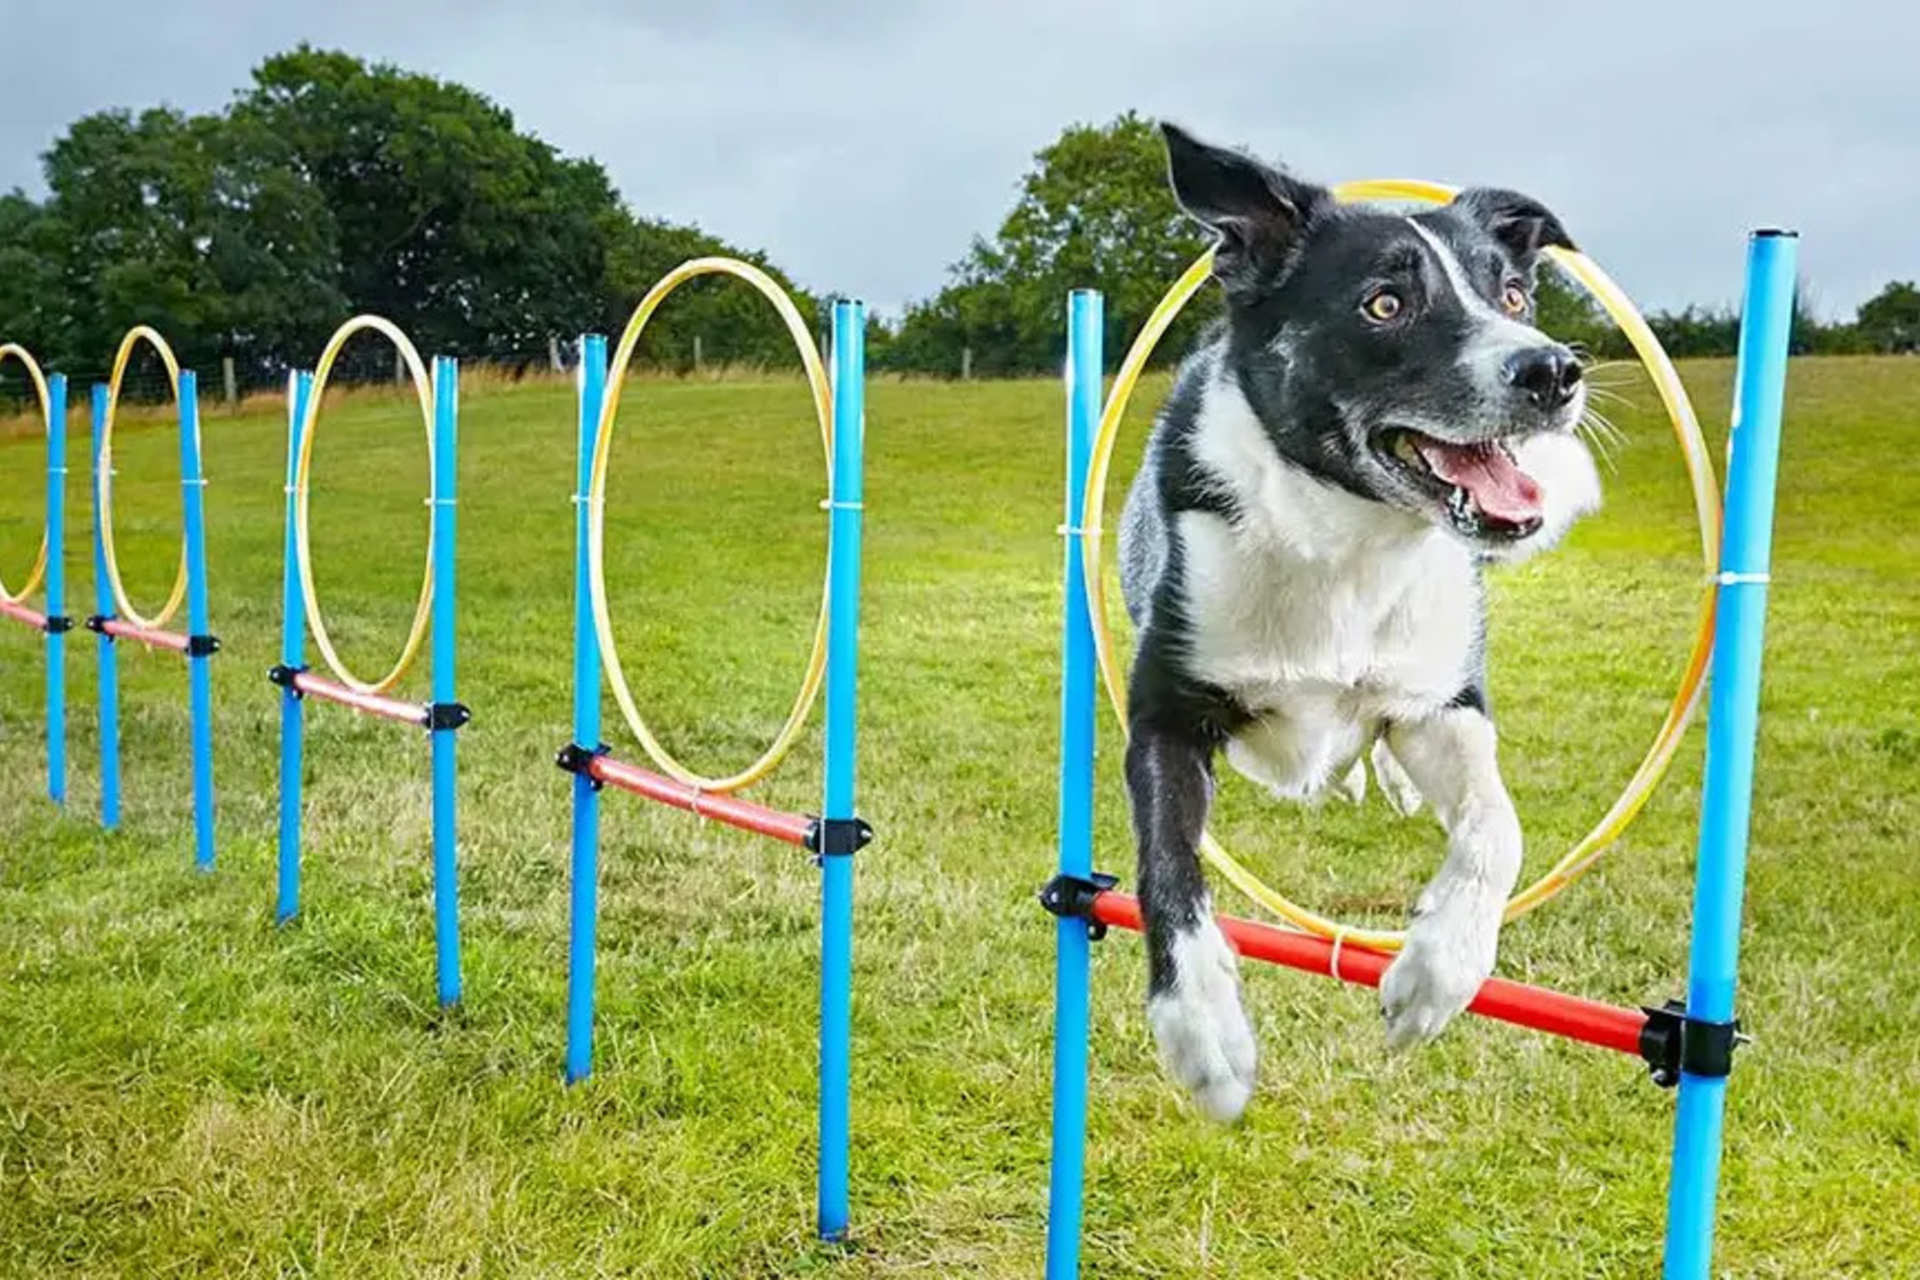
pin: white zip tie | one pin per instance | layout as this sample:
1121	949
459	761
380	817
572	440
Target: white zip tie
828	504
1731	579
437	502
1077	531
1339	940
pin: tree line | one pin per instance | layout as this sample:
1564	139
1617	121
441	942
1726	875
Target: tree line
330	185
1094	207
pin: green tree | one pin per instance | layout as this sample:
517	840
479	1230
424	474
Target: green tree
733	322
1094	211
474	238
195	225
1890	320
31	302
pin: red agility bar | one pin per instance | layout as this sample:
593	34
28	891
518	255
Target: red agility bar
1554	1012
156	639
371	703
794	828
31	617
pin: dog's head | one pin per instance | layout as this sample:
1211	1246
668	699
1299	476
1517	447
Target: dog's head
1396	356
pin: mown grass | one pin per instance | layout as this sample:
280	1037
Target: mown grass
187	1090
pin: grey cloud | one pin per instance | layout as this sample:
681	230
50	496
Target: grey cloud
862	145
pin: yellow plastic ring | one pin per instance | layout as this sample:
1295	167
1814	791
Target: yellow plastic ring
1706	499
596	523
46	414
103	477
423	611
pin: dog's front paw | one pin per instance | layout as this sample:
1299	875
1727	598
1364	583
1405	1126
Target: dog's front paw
1202	1032
1448	954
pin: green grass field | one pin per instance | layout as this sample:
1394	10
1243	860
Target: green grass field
186	1090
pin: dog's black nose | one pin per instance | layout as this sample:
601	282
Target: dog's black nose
1548	375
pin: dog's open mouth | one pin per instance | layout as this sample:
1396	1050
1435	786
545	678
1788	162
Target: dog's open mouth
1482	487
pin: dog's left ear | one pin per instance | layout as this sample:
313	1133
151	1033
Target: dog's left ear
1256	212
1521	223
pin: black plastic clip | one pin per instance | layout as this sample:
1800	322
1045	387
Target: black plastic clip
838	837
447	715
57	624
202	646
1673	1043
575	759
282	674
1071	897
97	622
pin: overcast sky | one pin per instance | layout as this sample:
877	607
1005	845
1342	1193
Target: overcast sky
862	144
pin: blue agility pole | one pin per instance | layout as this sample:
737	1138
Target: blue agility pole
57	623
446	714
836	864
1733	711
109	657
293	656
201	644
1071	980
439	398
585	888
836	833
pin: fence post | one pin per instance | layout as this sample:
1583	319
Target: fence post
966	364
232	384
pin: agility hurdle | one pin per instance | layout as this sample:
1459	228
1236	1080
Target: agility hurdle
49	566
300	613
833	836
1688	1043
118	619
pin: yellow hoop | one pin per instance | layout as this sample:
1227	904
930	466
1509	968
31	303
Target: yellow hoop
46	415
1706	499
596	523
423	611
103	477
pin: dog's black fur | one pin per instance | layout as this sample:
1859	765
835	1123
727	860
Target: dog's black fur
1335	378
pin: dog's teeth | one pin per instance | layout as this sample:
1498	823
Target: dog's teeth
1457	503
1404	449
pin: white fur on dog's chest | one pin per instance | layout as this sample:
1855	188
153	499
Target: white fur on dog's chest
1319	612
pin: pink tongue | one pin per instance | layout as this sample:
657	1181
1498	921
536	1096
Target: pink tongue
1496	485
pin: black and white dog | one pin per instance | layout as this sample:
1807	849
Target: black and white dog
1301	552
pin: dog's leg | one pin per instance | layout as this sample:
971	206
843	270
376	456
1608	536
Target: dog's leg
1193	1001
1394	782
1451	759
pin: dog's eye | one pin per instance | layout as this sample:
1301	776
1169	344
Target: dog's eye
1382	305
1514	298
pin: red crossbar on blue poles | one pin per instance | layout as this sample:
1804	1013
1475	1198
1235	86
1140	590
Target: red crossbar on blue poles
151	638
1554	1012
32	617
372	703
794	828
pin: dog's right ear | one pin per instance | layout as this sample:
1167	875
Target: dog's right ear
1256	212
